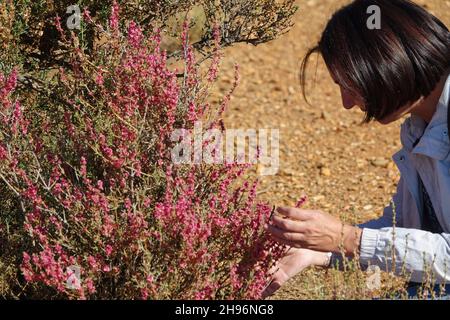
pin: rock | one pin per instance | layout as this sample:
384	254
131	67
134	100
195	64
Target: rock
373	281
226	79
380	162
277	88
318	198
288	173
325	171
360	163
291	90
343	125
368	207
320	164
325	115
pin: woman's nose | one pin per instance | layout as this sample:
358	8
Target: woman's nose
347	100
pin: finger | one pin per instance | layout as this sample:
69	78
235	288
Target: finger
288	224
287	249
289	244
278	280
270	290
273	270
295	213
278	264
285	235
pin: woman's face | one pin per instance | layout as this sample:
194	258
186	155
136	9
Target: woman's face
351	99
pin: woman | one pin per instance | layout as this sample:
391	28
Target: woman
401	68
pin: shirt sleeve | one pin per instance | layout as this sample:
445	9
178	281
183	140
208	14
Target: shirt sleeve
421	255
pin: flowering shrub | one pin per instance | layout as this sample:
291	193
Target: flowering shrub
28	34
92	176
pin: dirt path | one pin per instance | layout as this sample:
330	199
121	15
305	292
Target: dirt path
344	167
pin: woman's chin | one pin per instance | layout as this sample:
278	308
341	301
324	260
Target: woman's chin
386	120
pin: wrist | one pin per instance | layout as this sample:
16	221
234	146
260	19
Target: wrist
352	240
321	259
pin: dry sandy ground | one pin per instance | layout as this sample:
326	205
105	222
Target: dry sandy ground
344	167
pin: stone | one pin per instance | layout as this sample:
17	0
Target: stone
325	172
380	162
361	163
325	115
291	90
318	198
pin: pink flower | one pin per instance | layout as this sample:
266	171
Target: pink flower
87	16
26	258
99	79
114	18
108	250
134	34
7	85
83	169
301	201
3	153
90	285
58	25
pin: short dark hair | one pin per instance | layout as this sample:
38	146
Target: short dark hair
387	67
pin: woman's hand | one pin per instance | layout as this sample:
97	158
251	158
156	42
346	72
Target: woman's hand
294	261
314	230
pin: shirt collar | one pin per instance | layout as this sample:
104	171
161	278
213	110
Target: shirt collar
434	142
